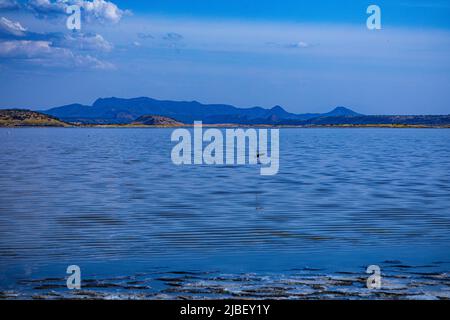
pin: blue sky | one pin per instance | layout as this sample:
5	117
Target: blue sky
406	12
308	56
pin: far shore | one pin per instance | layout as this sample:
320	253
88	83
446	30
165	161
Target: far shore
230	125
16	118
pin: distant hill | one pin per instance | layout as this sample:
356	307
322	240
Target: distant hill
123	111
341	112
362	120
27	118
148	111
150	120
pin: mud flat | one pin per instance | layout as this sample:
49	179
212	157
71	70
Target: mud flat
398	282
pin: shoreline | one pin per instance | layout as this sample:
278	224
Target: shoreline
17	118
130	126
398	282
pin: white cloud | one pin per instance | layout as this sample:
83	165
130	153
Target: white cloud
104	11
143	35
291	45
300	44
24	49
8	4
173	36
85	42
94	10
51	49
11	28
43	53
47	7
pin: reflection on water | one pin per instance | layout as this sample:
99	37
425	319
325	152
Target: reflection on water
111	200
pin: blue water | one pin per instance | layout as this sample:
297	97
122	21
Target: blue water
112	202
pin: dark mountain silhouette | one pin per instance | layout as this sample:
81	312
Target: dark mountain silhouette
361	120
151	120
120	111
341	112
104	114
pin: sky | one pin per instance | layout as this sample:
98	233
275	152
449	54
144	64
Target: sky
307	56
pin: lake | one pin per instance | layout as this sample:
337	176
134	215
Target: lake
111	201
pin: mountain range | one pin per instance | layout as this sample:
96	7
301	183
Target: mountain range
124	111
